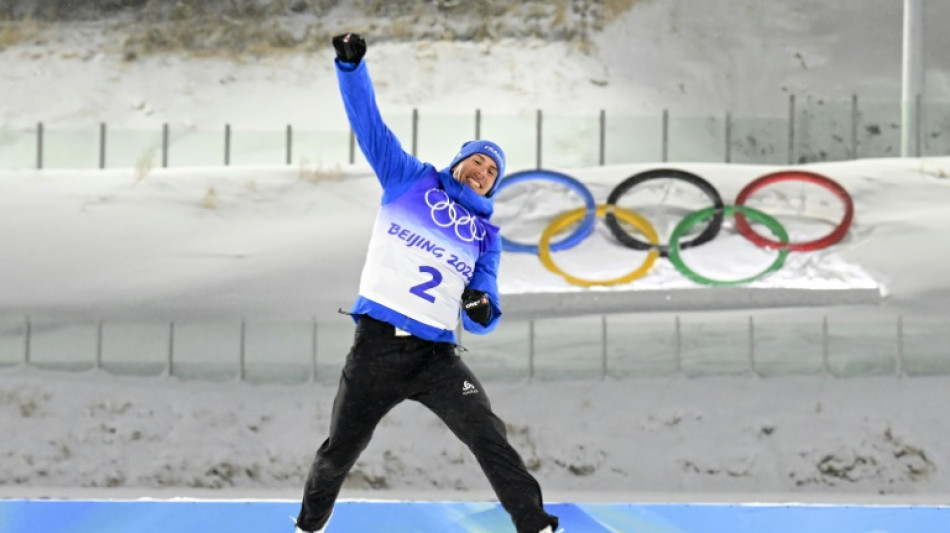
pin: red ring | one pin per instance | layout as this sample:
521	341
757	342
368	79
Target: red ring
795	175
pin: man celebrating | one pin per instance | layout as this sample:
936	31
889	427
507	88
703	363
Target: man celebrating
433	258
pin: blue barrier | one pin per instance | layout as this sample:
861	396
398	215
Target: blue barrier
239	516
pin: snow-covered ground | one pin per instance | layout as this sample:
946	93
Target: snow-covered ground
194	244
96	244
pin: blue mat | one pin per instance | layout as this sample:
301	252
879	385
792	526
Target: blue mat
243	516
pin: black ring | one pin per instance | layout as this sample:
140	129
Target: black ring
712	229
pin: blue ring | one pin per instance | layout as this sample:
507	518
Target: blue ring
585	228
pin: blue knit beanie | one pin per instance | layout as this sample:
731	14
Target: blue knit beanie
481	146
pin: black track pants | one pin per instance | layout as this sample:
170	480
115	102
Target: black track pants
381	371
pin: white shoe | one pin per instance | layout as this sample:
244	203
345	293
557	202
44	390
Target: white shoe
549	529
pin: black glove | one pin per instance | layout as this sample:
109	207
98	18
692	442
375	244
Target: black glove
350	47
476	306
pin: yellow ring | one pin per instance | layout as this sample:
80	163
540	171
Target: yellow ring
631	217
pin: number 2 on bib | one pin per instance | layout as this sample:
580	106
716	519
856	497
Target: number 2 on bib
435	279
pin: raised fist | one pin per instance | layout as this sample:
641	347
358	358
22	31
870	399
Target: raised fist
350	47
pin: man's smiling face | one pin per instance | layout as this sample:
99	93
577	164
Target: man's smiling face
478	171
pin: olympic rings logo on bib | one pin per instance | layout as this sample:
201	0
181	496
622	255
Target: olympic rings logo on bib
712	215
446	213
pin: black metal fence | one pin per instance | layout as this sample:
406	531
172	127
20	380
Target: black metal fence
813	130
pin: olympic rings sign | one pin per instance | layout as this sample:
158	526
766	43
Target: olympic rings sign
713	217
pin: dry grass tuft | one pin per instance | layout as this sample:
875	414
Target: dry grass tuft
319	174
614	8
13	33
210	199
143	166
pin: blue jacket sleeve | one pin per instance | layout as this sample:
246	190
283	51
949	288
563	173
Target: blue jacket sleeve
485	279
395	169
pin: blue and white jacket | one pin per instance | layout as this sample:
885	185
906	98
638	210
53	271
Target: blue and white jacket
431	239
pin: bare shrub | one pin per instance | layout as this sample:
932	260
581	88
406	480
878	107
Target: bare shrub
256	27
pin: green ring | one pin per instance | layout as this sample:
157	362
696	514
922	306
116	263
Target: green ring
730	210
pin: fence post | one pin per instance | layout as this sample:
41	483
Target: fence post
791	129
290	143
603	347
102	145
728	137
26	341
242	351
415	132
677	345
918	115
313	352
170	363
899	363
666	136
165	145
39	145
531	349
752	366
854	126
227	144
99	345
825	364
539	139
603	137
